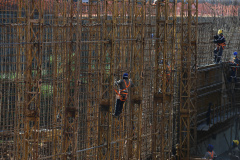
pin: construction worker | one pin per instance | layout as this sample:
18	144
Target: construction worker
123	84
220	40
233	65
235	58
167	75
210	154
235	152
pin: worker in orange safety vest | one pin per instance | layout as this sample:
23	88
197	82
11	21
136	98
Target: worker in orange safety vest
122	93
210	154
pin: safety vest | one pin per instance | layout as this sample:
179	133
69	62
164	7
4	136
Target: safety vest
211	154
121	93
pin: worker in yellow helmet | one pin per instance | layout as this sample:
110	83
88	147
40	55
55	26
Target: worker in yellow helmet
234	155
220	41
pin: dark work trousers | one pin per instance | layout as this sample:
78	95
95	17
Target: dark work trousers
233	74
218	54
118	107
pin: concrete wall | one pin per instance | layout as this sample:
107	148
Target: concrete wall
221	140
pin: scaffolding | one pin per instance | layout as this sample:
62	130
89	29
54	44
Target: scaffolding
59	60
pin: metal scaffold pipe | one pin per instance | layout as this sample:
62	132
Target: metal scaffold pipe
61	61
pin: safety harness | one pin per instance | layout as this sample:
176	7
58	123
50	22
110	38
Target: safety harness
168	73
121	93
211	154
222	45
234	68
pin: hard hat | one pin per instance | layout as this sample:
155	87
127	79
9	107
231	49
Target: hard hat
210	148
236	142
235	53
125	75
220	31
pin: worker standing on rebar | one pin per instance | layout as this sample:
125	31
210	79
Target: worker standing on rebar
167	76
168	72
220	41
233	64
121	96
210	154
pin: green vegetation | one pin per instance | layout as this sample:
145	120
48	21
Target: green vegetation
46	90
8	76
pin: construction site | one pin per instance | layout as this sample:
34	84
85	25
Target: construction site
60	60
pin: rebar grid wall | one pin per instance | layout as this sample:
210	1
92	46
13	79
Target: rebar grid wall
59	60
215	97
163	89
214	15
188	77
